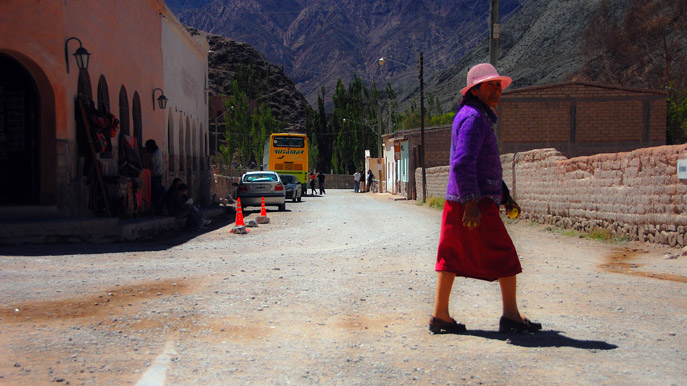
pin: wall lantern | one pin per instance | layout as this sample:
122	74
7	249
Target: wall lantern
81	54
161	100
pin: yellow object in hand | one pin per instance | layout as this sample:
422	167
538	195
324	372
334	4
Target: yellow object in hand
512	212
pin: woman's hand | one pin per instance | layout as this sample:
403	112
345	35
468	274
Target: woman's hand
512	209
471	214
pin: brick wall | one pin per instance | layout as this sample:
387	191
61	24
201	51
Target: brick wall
581	118
636	194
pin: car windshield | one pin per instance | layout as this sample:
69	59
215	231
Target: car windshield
266	177
288	179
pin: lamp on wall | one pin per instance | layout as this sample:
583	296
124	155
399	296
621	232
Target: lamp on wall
161	100
81	54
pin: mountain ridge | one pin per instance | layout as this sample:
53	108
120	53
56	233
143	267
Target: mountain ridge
320	41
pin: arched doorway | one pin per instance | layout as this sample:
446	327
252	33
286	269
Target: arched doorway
20	140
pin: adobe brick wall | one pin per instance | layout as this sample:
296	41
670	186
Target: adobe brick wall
636	194
223	186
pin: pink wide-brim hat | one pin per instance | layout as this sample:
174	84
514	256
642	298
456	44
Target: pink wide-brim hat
485	72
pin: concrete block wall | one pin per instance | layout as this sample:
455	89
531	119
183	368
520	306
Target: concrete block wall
634	194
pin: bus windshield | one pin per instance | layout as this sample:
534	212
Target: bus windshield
288	142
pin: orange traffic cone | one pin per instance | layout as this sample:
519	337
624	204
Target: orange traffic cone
263	211
263	219
239	214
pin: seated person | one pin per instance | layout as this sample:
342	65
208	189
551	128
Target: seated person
170	193
180	206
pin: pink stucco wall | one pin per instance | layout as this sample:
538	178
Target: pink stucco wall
125	39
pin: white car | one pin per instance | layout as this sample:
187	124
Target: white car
256	185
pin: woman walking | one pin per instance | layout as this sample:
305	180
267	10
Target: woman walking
474	242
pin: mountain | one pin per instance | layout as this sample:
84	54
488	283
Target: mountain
227	58
539	45
320	41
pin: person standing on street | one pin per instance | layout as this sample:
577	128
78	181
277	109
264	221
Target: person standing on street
312	182
320	178
356	181
370	179
474	242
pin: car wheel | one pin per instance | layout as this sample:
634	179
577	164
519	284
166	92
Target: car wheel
282	207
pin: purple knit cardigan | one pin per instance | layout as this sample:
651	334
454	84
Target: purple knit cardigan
475	168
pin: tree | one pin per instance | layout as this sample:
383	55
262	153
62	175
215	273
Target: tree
237	121
245	131
320	139
338	141
645	47
676	125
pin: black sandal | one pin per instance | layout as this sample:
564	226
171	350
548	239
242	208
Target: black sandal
439	326
508	325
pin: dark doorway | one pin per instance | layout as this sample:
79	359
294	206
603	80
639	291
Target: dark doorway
19	135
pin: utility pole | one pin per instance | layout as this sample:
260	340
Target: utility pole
380	153
422	126
494	30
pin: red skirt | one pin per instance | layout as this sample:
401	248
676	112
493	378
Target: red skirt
486	252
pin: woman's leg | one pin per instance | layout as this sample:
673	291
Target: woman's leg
441	299
509	298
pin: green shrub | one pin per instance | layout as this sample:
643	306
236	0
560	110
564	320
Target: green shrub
436	202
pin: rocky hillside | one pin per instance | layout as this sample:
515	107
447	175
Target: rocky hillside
320	41
539	45
225	60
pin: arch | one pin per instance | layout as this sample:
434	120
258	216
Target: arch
194	146
204	149
182	163
103	104
189	158
123	112
170	141
137	119
84	84
187	147
28	144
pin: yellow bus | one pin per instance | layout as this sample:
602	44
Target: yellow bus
287	153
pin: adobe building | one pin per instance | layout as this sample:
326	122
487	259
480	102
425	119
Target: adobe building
139	55
402	151
581	118
576	118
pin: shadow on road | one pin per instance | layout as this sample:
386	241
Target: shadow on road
545	338
158	242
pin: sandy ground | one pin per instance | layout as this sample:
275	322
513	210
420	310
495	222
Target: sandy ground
336	290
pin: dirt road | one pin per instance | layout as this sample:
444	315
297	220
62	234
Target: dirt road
337	290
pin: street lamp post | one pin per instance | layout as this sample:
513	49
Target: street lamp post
421	77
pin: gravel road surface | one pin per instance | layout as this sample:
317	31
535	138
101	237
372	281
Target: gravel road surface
336	290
